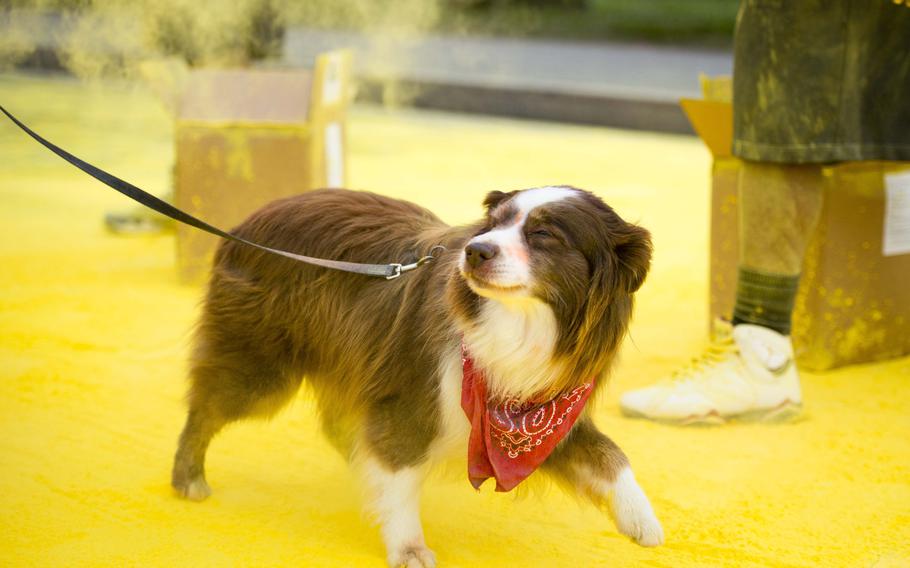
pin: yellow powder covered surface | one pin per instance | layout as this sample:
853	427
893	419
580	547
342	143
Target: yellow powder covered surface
93	337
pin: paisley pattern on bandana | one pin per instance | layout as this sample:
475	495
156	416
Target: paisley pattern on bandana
522	427
510	438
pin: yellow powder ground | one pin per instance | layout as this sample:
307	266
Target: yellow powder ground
93	336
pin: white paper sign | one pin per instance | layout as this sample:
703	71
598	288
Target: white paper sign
897	214
334	156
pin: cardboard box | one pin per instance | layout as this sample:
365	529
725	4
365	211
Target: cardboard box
853	304
247	137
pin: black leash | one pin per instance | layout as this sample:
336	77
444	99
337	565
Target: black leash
387	271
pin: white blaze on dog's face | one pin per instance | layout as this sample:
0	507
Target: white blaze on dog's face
546	287
543	296
497	262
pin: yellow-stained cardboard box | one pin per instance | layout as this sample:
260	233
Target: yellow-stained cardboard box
247	137
853	304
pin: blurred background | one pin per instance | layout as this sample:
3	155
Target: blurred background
221	106
557	59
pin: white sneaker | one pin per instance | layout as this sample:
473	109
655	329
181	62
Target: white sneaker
747	372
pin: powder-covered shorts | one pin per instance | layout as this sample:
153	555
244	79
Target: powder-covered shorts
822	81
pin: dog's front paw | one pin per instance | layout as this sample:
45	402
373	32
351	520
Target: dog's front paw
412	557
641	526
633	513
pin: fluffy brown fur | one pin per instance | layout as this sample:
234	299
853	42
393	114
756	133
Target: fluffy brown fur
372	349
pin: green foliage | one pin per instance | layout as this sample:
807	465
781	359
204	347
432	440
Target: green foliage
683	21
699	21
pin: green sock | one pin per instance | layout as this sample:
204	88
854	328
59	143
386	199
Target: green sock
765	299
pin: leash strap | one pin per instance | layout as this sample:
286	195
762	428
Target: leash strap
387	271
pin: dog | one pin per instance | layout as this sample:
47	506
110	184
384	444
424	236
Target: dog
537	296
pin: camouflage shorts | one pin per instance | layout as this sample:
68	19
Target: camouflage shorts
822	81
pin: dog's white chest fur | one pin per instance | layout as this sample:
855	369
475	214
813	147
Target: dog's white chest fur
514	345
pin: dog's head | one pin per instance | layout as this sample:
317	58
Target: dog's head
565	248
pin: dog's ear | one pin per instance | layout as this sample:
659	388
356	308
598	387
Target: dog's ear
634	253
615	273
494	198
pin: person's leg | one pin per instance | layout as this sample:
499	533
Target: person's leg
749	370
779	207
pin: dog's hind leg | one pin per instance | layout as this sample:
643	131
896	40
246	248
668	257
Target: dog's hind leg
593	465
224	388
188	474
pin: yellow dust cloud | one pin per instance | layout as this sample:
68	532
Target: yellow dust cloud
93	337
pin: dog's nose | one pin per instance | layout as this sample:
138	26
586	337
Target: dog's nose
478	253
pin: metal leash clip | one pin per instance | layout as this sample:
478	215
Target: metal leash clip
399	269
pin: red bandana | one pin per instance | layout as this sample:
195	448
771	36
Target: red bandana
510	439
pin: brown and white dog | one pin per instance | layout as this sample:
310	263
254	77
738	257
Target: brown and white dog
540	292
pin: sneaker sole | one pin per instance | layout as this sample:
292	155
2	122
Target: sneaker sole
785	412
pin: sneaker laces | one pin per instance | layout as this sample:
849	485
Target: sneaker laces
718	350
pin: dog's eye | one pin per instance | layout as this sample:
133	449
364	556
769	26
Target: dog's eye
541	233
